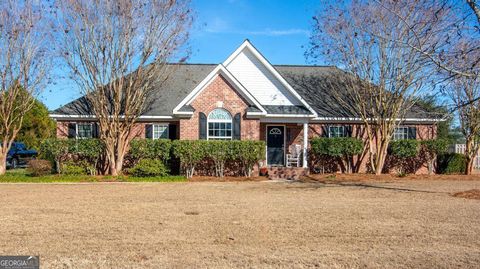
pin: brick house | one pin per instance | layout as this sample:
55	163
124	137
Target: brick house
246	97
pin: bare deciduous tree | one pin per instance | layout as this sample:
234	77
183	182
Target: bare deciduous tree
468	90
22	67
117	51
385	74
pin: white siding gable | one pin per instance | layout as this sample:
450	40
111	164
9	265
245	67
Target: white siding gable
259	81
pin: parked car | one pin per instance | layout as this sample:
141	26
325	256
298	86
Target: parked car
19	155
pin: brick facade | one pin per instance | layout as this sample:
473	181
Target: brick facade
219	93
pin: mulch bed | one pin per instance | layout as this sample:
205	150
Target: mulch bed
470	194
225	179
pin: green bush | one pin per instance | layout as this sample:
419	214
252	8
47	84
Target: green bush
248	153
451	163
39	167
190	153
88	151
432	148
158	149
343	148
55	150
71	169
149	168
219	151
405	148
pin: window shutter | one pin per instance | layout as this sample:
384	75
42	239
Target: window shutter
72	130
148	131
412	132
347	131
202	125
325	131
172	131
96	130
236	127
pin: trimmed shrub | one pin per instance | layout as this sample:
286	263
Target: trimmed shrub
190	153
451	163
343	148
86	151
54	150
432	148
403	150
149	168
248	153
72	169
219	151
158	149
39	167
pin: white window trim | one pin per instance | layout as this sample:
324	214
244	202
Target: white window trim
83	123
154	126
220	121
336	126
404	133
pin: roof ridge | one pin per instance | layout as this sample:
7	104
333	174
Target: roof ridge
305	65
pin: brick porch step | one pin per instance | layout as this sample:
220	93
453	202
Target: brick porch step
290	173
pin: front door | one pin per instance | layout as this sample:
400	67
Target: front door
275	145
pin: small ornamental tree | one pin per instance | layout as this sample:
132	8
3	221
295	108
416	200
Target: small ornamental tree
55	150
343	148
219	152
248	153
190	153
432	148
404	149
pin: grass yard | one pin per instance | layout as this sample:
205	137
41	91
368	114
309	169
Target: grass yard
21	176
394	224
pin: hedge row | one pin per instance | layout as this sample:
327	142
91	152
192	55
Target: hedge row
75	156
72	156
192	152
345	148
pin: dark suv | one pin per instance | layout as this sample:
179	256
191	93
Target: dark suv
19	155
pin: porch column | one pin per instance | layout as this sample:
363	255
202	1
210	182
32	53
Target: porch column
305	145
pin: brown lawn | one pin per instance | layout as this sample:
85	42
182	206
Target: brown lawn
372	224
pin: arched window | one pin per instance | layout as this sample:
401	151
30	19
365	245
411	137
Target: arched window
219	125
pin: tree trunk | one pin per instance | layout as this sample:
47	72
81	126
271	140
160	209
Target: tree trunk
470	154
3	162
469	166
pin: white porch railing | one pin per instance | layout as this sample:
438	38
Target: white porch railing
460	148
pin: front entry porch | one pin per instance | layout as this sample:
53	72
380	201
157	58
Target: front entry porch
286	149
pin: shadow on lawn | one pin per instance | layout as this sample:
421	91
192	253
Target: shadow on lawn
308	182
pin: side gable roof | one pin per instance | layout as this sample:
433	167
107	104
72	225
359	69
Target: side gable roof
316	84
179	84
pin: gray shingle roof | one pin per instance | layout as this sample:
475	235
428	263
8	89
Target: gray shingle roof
291	110
164	100
316	85
313	83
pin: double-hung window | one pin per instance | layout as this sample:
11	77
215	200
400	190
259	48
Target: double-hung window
160	131
336	131
219	125
400	133
84	130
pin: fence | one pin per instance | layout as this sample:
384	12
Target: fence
460	148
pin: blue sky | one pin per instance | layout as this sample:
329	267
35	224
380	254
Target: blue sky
278	28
